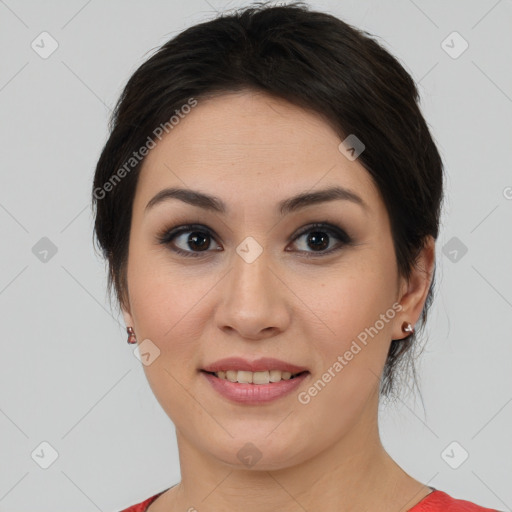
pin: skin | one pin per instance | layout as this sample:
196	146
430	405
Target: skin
252	151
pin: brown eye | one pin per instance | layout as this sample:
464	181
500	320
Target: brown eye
318	238
198	241
190	240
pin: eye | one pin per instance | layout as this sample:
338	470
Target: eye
198	239
319	238
194	239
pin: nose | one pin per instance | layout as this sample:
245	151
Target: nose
254	300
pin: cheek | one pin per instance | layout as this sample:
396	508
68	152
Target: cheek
356	309
353	349
165	303
356	293
165	306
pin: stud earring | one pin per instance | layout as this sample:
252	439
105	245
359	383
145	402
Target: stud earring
407	327
131	335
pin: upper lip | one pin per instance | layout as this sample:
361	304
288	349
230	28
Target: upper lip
264	363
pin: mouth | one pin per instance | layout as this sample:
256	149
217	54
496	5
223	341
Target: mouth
252	382
254	388
256	378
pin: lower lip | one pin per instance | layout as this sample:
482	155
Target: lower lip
254	393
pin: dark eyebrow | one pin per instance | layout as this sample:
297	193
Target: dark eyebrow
192	197
212	203
328	194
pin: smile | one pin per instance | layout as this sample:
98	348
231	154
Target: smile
262	377
270	385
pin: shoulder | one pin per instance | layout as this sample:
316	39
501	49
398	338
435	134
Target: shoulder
142	507
441	501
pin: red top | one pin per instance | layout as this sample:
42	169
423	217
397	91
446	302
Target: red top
142	507
436	501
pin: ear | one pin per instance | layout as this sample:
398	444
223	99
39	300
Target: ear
128	319
124	302
414	291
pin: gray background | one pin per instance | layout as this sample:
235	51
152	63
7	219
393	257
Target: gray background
67	375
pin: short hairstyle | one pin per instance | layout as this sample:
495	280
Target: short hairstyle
313	60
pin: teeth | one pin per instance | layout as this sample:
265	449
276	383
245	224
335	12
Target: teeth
246	377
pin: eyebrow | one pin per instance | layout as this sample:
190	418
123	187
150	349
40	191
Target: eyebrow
292	204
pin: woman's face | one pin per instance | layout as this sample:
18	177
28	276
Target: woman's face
255	281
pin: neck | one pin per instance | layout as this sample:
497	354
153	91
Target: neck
354	474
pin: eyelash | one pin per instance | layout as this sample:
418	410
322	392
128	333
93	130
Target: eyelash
168	235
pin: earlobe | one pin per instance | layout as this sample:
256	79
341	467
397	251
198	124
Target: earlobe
415	290
132	339
128	320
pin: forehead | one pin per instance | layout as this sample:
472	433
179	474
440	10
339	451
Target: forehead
256	144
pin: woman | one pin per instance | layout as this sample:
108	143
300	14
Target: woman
268	202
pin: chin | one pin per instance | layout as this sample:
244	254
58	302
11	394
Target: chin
260	451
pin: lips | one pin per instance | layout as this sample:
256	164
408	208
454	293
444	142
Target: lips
254	394
258	365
